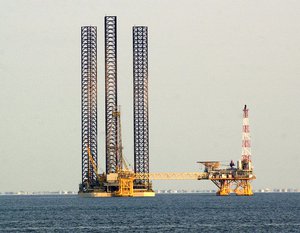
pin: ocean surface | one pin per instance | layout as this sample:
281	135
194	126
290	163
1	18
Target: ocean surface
278	212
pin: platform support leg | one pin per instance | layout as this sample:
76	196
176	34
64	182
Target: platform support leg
224	187
243	188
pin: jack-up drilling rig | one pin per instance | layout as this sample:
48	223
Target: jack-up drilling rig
107	184
118	179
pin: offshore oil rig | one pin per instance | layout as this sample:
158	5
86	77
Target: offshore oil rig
118	179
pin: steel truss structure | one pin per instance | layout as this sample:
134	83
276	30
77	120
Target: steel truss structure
246	140
111	103
242	186
140	101
89	104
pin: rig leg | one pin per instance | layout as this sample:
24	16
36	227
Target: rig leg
243	188
224	187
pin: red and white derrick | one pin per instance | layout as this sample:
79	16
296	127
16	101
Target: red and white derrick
246	141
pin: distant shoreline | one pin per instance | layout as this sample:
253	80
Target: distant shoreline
168	192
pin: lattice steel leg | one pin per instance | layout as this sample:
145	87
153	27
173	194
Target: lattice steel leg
140	101
111	93
89	103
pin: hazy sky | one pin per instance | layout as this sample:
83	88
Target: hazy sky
206	60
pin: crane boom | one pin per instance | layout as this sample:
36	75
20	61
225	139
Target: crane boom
93	163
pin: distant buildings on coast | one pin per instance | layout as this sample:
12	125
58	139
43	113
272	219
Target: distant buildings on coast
169	191
284	190
266	190
40	193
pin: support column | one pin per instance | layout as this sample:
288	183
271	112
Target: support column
89	104
140	101
111	93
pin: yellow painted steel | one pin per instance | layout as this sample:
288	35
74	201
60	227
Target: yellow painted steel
137	193
94	164
160	175
224	188
95	194
223	185
125	187
222	179
125	180
242	184
172	175
243	188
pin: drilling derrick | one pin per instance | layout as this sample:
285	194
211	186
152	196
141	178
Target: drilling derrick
140	103
243	187
111	93
89	106
246	143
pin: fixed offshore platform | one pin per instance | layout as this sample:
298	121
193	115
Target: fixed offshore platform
118	179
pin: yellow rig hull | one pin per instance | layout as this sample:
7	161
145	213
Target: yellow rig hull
144	194
105	194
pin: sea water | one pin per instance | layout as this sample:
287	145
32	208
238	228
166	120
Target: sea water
269	212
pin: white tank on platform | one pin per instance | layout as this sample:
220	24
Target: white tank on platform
250	166
239	165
